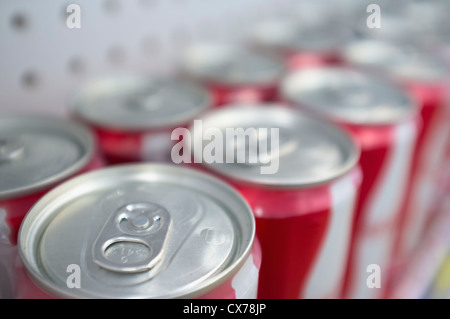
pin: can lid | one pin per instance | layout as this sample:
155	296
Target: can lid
274	146
231	65
402	61
137	231
38	151
349	96
309	35
135	102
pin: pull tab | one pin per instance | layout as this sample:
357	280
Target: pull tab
133	239
11	148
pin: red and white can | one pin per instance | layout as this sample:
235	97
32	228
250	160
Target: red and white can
36	154
133	116
426	77
307	41
139	231
233	74
302	185
384	121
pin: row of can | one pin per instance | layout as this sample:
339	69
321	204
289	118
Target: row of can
362	165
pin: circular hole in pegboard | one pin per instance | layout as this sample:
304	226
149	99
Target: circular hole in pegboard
20	21
150	46
77	65
111	6
30	79
116	55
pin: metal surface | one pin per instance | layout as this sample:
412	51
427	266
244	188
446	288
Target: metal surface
163	232
399	60
135	103
309	151
348	96
38	151
230	65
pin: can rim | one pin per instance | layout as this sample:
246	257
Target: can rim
30	227
351	163
75	129
77	111
413	112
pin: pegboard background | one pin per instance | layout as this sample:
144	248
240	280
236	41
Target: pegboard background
42	61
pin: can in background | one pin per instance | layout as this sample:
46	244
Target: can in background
310	38
139	231
233	73
302	192
133	116
383	119
427	77
36	154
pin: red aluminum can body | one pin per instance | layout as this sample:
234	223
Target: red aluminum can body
17	203
353	99
303	213
134	116
233	74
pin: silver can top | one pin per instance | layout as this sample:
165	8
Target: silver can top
273	146
348	96
300	35
137	231
230	65
37	152
138	102
401	61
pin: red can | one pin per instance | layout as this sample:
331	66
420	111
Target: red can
139	231
233	74
36	154
133	116
384	121
302	185
426	77
302	42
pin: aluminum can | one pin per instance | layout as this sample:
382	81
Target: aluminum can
303	42
141	230
36	154
303	206
232	73
426	77
383	118
133	116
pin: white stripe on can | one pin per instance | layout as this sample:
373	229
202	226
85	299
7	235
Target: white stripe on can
245	282
328	272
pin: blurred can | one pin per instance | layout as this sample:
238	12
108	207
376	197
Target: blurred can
384	121
233	74
426	76
302	42
36	154
139	231
133	116
300	177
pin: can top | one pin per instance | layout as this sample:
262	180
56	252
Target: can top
38	151
137	231
273	146
348	96
139	102
304	35
231	65
402	61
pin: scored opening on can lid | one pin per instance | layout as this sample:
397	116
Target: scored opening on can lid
38	151
231	65
137	231
140	102
402	61
311	35
349	96
274	146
